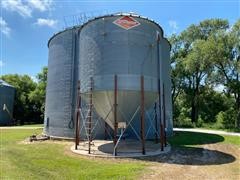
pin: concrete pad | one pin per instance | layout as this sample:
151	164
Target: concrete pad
125	149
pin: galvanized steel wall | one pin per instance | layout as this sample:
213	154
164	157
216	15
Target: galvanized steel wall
62	85
166	81
60	93
7	94
107	50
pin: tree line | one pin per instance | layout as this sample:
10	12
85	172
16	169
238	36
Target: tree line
205	62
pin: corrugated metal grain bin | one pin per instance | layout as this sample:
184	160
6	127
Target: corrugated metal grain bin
7	93
60	89
62	84
124	45
107	49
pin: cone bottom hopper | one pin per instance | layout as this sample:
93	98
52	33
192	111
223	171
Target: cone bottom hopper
128	106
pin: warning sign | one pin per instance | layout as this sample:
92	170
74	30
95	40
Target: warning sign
126	22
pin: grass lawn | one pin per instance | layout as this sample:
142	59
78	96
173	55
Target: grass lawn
195	139
54	160
213	126
49	161
32	125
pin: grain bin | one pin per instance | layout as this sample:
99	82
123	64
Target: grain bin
7	93
106	49
61	84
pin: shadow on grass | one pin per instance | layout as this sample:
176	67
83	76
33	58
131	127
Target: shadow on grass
192	156
184	152
186	149
181	138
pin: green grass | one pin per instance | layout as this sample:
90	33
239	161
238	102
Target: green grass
27	125
232	140
195	139
214	126
32	125
48	161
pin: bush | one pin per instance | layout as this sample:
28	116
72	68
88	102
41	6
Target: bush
226	119
183	119
219	120
185	122
199	122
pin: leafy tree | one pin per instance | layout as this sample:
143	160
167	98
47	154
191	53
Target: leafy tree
37	96
191	59
177	75
225	53
211	103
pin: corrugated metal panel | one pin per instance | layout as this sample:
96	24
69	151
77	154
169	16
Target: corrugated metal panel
166	76
59	93
61	87
7	93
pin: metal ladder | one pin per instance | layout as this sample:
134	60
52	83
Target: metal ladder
67	99
87	113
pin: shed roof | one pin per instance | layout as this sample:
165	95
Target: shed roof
3	83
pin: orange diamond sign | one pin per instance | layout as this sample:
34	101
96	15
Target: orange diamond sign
126	22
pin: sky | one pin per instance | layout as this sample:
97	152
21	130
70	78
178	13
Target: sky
27	25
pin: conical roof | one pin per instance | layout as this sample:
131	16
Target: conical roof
3	83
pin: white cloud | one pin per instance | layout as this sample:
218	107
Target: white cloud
5	30
173	25
25	8
17	6
46	22
41	5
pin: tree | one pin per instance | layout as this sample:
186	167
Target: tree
38	96
197	67
177	75
211	102
225	53
192	59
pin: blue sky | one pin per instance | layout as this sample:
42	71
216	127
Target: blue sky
26	26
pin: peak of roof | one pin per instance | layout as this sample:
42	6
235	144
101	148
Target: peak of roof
3	83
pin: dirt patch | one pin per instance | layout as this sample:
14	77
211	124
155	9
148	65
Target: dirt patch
62	142
213	161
